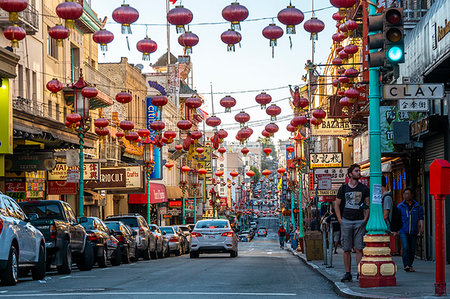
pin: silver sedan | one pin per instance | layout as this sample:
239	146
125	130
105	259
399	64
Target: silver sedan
213	236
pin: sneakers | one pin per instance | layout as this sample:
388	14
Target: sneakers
411	269
407	269
347	278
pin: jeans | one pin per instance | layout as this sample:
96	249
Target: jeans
281	241
409	248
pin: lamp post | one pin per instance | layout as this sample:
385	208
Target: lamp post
81	107
299	157
149	164
196	185
184	186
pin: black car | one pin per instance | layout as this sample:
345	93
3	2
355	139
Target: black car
106	246
162	245
127	240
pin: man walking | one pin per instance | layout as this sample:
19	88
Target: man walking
388	203
412	219
351	208
281	236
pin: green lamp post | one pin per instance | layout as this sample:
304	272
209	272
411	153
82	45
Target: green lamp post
149	163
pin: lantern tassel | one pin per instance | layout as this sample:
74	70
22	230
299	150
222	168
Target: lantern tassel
290	29
290	43
146	57
180	29
313	36
230	48
236	26
273	52
126	29
104	47
188	50
273	42
70	24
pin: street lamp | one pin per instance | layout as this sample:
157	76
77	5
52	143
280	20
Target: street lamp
299	161
184	185
149	164
196	186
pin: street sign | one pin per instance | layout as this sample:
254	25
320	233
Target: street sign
419	105
337	174
73	175
325	160
323	192
324	181
413	91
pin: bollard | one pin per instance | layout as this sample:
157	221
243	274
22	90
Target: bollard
324	245
330	246
439	188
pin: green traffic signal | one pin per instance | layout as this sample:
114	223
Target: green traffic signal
395	54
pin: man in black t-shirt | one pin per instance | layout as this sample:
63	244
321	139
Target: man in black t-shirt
351	208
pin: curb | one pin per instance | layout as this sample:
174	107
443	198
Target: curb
340	288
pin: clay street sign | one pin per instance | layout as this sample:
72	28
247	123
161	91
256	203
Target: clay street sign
413	91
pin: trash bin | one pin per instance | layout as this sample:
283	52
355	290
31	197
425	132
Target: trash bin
313	245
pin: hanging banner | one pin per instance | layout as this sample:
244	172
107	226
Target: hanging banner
152	115
6	120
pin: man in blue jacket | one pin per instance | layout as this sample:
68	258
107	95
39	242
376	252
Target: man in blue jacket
412	219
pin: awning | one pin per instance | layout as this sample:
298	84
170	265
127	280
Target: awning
94	195
174	192
158	194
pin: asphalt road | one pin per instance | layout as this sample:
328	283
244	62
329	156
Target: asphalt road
262	270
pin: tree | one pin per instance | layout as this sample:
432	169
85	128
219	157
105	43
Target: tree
257	173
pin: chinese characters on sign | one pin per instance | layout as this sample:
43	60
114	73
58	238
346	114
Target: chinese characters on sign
419	105
324	160
91	172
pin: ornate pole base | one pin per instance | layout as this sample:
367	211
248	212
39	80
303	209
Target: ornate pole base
377	269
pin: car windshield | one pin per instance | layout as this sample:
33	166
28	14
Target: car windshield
168	230
184	229
113	225
130	221
46	211
87	223
212	224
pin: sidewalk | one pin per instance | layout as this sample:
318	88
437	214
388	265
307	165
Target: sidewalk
419	284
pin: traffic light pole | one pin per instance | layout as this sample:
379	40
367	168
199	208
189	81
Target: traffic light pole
377	256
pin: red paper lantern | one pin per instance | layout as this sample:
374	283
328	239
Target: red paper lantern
222	134
213	121
336	83
222	150
351	49
179	147
290	149
218	173
242	117
245	133
338	37
125	15
290	17
202	171
89	92
343	55
179	16
228	102
272	33
315	121
185	169
341	93
250	173
343	5
273	110
319	114
271	128
314	26
170	134
235	13
69	11
266	172
351	73
263	99
290	128
193	103
143	133
102	131
299	120
126	125
103	37
231	38
344	80
345	102
267	151
338	49
245	151
351	25
188	40
184	124
234	173
352	93
337	61
300	102
337	17
73	118
54	86
132	136
101	122
124	97
169	165
120	134
266	134
159	101
199	150
146	46
13	7
196	135
15	34
59	32
343	28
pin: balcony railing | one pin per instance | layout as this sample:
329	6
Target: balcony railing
38	109
28	19
413	11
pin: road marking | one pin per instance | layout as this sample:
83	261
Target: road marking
64	277
2	292
270	252
147	293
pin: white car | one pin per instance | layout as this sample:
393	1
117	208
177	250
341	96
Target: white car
213	236
22	246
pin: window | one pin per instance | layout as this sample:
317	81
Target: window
57	112
19	213
34	94
28	82
52	48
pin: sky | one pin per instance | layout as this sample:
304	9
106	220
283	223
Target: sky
250	68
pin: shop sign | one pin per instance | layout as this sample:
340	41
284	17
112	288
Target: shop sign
413	91
175	204
337	174
332	192
61	188
15	186
189	204
152	115
419	105
325	160
30	161
73	175
91	172
109	178
203	161
420	127
223	202
134	177
332	127
6	120
174	212
324	181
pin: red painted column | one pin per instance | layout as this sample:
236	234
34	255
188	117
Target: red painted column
440	288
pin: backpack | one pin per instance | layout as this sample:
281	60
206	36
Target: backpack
396	220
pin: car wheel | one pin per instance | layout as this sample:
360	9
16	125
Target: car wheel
87	260
194	255
136	254
126	256
161	253
11	274
117	257
101	260
153	254
66	257
179	251
167	251
146	253
38	272
233	254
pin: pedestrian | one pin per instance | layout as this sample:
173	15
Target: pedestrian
388	203
281	236
333	221
352	211
412	219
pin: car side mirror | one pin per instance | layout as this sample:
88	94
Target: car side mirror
33	217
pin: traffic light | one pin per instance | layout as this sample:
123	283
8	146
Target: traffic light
394	35
386	38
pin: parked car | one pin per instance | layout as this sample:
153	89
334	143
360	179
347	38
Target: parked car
106	246
127	240
175	240
244	237
22	246
145	239
250	233
163	242
191	227
65	240
262	232
184	230
213	235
